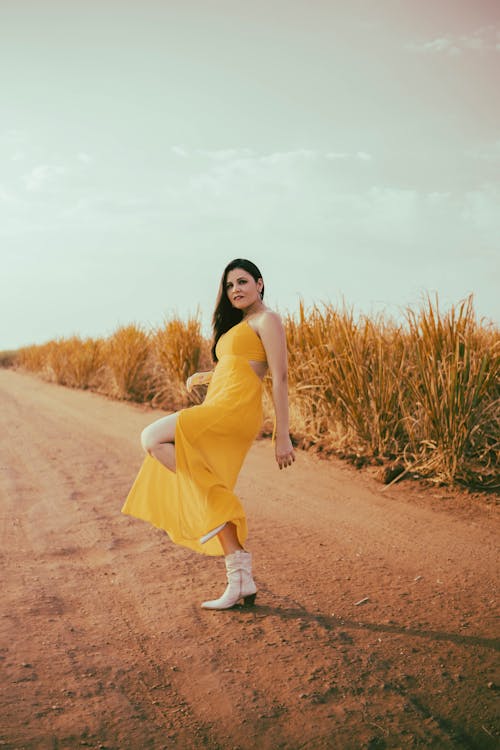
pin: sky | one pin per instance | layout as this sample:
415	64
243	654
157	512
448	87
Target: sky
351	149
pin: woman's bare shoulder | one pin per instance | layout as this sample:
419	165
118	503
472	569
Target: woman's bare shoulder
268	321
268	318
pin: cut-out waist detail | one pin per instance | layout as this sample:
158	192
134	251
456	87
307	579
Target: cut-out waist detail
259	368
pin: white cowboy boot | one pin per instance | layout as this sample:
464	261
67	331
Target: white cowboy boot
240	584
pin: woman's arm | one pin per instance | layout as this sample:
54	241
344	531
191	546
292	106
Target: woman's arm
272	334
198	378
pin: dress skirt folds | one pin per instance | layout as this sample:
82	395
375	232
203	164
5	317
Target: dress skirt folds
211	442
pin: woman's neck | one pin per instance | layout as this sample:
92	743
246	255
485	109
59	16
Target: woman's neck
254	308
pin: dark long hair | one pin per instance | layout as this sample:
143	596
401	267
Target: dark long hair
225	315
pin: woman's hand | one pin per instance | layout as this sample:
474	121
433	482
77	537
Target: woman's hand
193	380
198	378
285	455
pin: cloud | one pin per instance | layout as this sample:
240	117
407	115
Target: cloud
288	157
441	45
7	196
215	155
486	152
110	205
253	178
337	155
248	159
361	155
294	198
42	175
480	209
225	154
12	137
436	197
302	198
483	40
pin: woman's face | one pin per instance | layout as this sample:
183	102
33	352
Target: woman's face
242	289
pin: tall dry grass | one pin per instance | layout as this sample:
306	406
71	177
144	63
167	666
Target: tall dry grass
342	374
424	392
34	359
132	363
127	354
178	350
8	358
74	362
452	406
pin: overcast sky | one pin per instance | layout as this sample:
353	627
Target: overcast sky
351	149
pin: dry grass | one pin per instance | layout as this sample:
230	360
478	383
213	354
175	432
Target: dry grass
342	374
424	393
73	362
9	358
452	409
178	350
127	354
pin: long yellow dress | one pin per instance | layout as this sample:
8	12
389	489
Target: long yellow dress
211	442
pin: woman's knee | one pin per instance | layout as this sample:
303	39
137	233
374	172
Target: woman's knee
148	441
161	431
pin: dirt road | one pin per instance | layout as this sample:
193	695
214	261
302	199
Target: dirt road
104	644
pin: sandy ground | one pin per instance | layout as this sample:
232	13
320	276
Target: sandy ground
104	644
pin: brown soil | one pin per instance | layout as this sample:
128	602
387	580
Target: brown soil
375	618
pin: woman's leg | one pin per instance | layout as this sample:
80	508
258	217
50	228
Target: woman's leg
229	539
158	439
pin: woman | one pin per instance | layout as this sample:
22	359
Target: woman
185	485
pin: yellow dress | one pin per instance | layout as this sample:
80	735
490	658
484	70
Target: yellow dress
211	442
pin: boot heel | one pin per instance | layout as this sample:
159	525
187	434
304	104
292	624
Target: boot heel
249	601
